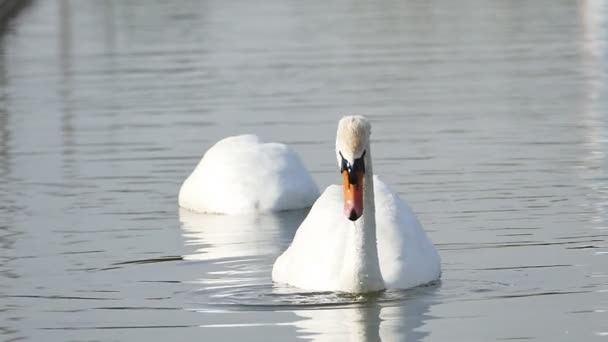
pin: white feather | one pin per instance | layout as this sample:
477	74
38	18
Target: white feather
240	175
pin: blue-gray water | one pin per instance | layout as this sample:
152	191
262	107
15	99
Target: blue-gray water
489	118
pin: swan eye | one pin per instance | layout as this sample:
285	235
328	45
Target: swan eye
344	165
359	165
352	170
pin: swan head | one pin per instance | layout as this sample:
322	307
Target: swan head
352	142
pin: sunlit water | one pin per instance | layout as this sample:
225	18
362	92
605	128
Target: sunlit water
489	117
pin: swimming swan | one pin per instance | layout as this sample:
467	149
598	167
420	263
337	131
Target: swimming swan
242	175
361	238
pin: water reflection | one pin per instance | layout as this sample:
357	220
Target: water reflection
8	206
368	322
5	134
230	236
593	163
237	253
66	86
346	324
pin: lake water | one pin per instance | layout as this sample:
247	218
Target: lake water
489	117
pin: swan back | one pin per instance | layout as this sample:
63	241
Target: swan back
241	174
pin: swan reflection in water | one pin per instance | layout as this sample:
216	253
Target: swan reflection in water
374	320
216	236
236	254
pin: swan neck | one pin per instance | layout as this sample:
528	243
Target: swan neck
363	255
367	223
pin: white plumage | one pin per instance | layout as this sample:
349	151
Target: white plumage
241	174
315	258
384	248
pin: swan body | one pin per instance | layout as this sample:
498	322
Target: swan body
355	245
242	175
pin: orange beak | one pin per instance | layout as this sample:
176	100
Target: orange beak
353	196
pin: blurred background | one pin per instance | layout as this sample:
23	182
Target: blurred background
489	117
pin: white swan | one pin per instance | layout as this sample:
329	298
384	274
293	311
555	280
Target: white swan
361	238
241	175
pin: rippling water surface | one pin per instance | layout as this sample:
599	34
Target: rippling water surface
489	118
